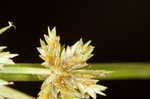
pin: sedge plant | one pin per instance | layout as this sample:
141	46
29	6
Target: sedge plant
64	72
68	77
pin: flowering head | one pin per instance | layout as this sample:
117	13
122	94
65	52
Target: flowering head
68	79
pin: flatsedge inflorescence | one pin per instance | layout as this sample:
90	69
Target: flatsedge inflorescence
69	78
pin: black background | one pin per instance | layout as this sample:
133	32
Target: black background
119	30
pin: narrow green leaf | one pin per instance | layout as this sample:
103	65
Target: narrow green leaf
25	70
19	77
126	70
29	72
12	93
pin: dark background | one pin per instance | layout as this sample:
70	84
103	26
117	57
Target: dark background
118	28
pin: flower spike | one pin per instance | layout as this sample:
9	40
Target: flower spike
69	79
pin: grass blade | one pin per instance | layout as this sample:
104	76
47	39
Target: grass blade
124	70
12	93
24	70
29	72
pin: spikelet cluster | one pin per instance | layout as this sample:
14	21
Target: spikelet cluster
5	57
69	78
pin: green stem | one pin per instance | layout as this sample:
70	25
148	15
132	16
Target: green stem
29	72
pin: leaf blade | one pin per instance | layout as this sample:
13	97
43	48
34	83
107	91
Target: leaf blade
12	93
121	71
